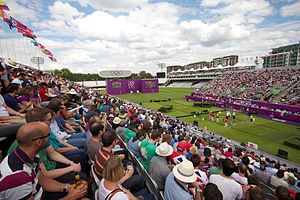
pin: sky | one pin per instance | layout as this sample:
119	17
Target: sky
89	36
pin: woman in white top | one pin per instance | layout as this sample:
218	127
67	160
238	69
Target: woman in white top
109	188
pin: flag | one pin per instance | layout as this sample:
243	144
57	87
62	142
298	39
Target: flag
35	43
46	51
52	58
3	5
19	25
5	17
27	34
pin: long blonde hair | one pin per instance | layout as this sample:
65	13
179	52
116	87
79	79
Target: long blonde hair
113	169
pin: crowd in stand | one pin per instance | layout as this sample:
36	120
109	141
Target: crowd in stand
63	127
253	84
292	97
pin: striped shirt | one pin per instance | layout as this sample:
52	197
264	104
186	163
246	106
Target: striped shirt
19	176
101	157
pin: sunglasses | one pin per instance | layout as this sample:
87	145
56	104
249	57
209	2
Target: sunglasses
41	137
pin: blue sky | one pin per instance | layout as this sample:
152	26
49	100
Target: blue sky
90	36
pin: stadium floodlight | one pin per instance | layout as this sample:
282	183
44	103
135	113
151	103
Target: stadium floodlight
37	61
115	73
161	66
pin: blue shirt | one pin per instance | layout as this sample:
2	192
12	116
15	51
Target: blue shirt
11	102
134	148
173	191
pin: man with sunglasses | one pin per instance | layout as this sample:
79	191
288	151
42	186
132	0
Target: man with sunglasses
20	174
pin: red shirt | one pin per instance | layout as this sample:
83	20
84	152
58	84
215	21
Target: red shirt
42	93
228	154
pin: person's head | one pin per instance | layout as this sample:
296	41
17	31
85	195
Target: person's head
33	135
113	169
291	181
252	180
228	167
207	152
194	150
54	107
13	88
277	165
21	75
26	91
180	138
96	129
94	119
39	114
184	172
108	139
155	135
245	160
255	193
44	85
242	168
56	101
164	149
167	138
282	193
195	159
280	173
262	166
212	192
140	134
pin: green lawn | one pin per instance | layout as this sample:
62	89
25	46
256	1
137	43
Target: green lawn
268	134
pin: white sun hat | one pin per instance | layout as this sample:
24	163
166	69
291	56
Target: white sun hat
164	149
185	171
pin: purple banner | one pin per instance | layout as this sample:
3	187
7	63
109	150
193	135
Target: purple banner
115	87
266	112
150	86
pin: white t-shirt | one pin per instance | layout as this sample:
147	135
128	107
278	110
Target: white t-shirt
239	179
3	111
230	188
103	192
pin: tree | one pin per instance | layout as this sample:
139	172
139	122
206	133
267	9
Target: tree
76	77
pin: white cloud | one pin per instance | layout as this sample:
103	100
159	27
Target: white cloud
149	33
213	3
24	10
64	11
291	10
113	5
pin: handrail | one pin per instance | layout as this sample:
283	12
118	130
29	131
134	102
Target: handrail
151	184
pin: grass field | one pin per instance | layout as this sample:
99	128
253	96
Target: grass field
268	134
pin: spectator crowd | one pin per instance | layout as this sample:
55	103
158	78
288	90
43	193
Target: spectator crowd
64	131
255	84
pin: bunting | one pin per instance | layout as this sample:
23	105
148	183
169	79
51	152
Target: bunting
3	5
23	29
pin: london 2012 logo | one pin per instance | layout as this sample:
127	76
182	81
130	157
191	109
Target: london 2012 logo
131	84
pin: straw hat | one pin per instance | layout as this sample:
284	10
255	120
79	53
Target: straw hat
72	91
164	149
116	120
185	171
10	62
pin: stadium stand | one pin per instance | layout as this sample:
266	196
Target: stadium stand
79	111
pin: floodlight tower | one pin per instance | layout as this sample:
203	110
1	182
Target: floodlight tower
162	66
